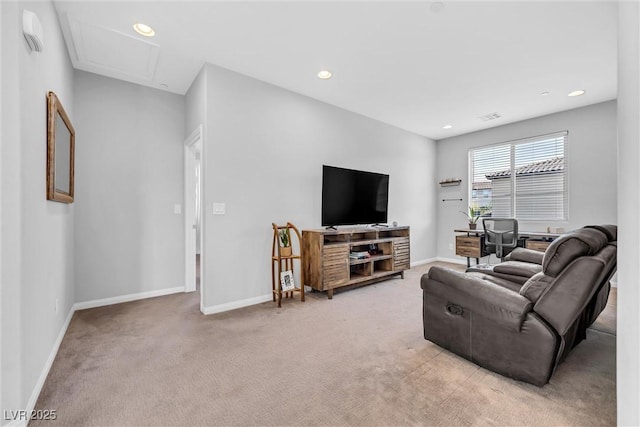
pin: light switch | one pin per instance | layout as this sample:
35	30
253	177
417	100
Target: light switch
219	208
177	209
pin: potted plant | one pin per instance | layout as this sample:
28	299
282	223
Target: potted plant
285	242
472	216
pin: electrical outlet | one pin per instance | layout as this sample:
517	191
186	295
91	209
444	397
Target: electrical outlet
450	246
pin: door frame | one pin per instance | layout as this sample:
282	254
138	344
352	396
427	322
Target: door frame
189	211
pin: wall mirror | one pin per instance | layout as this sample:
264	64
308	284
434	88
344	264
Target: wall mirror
60	152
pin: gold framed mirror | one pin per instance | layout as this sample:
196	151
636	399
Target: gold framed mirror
61	139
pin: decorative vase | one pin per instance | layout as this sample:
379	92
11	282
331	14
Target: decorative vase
472	226
285	250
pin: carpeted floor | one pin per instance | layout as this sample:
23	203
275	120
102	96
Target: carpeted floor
359	359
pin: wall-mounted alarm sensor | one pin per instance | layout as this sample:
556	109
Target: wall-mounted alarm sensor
32	30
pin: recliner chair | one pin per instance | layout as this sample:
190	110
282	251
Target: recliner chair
522	333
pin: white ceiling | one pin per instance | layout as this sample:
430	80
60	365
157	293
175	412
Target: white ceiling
417	65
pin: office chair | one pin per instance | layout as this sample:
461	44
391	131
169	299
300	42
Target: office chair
500	235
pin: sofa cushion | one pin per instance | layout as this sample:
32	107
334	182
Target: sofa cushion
518	268
535	286
565	298
561	252
525	255
609	230
510	281
500	281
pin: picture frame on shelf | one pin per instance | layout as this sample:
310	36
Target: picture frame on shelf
286	281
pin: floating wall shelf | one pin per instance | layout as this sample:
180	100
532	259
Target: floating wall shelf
450	182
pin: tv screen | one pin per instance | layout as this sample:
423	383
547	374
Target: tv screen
352	197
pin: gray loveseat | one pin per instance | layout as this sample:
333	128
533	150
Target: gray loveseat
522	321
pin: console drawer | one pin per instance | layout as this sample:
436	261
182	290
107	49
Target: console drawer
468	246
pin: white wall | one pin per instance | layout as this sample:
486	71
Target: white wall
129	175
1	139
10	234
591	167
263	156
37	235
628	342
195	103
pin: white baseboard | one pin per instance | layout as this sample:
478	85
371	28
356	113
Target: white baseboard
236	304
33	399
15	424
126	298
438	259
452	260
423	262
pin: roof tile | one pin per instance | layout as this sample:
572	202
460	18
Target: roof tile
537	168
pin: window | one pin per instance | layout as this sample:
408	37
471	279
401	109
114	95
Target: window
524	179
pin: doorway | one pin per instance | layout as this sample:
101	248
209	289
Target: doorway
193	226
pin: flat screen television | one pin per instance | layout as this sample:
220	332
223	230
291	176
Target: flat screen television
352	197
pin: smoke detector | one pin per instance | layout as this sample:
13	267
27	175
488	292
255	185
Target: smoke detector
490	116
32	30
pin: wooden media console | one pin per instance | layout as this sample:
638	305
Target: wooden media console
353	256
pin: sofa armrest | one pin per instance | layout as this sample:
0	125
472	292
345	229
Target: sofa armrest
474	294
526	255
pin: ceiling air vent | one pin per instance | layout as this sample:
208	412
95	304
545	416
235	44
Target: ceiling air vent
490	116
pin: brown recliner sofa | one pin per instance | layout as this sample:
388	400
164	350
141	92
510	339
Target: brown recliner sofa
523	331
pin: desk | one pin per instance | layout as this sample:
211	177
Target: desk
471	244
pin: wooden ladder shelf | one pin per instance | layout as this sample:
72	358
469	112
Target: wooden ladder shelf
282	260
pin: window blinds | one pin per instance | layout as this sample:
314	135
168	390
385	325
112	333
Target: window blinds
525	179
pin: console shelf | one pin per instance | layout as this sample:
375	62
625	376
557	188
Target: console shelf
327	265
369	260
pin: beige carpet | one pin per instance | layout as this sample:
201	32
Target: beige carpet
359	359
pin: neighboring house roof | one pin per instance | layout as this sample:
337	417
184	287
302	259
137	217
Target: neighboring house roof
554	165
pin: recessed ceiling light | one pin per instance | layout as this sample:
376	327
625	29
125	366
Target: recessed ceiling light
324	74
576	93
144	29
544	93
447	127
